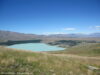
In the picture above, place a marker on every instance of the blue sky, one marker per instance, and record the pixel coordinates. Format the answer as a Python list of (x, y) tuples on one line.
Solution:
[(50, 16)]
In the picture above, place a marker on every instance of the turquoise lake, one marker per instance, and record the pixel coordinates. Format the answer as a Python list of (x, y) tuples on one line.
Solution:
[(36, 47)]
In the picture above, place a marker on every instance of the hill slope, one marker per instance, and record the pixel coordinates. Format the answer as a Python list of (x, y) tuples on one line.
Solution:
[(86, 49), (8, 35), (31, 63)]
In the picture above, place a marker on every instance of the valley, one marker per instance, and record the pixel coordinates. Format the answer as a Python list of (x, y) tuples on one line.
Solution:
[(75, 59)]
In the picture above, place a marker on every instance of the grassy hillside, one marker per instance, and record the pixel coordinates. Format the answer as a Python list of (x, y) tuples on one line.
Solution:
[(17, 62), (87, 49)]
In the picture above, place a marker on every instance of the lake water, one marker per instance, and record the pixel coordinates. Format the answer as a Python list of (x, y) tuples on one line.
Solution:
[(36, 47)]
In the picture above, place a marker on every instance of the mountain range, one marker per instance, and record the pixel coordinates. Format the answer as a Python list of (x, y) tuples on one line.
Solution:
[(9, 35)]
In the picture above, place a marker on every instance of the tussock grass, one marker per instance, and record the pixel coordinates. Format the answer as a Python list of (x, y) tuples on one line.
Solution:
[(84, 49), (17, 62)]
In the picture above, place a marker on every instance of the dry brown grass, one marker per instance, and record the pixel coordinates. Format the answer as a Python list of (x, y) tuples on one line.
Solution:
[(17, 61)]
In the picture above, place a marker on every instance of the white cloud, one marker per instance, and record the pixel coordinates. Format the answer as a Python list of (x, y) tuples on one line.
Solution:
[(69, 29), (48, 33), (97, 27)]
